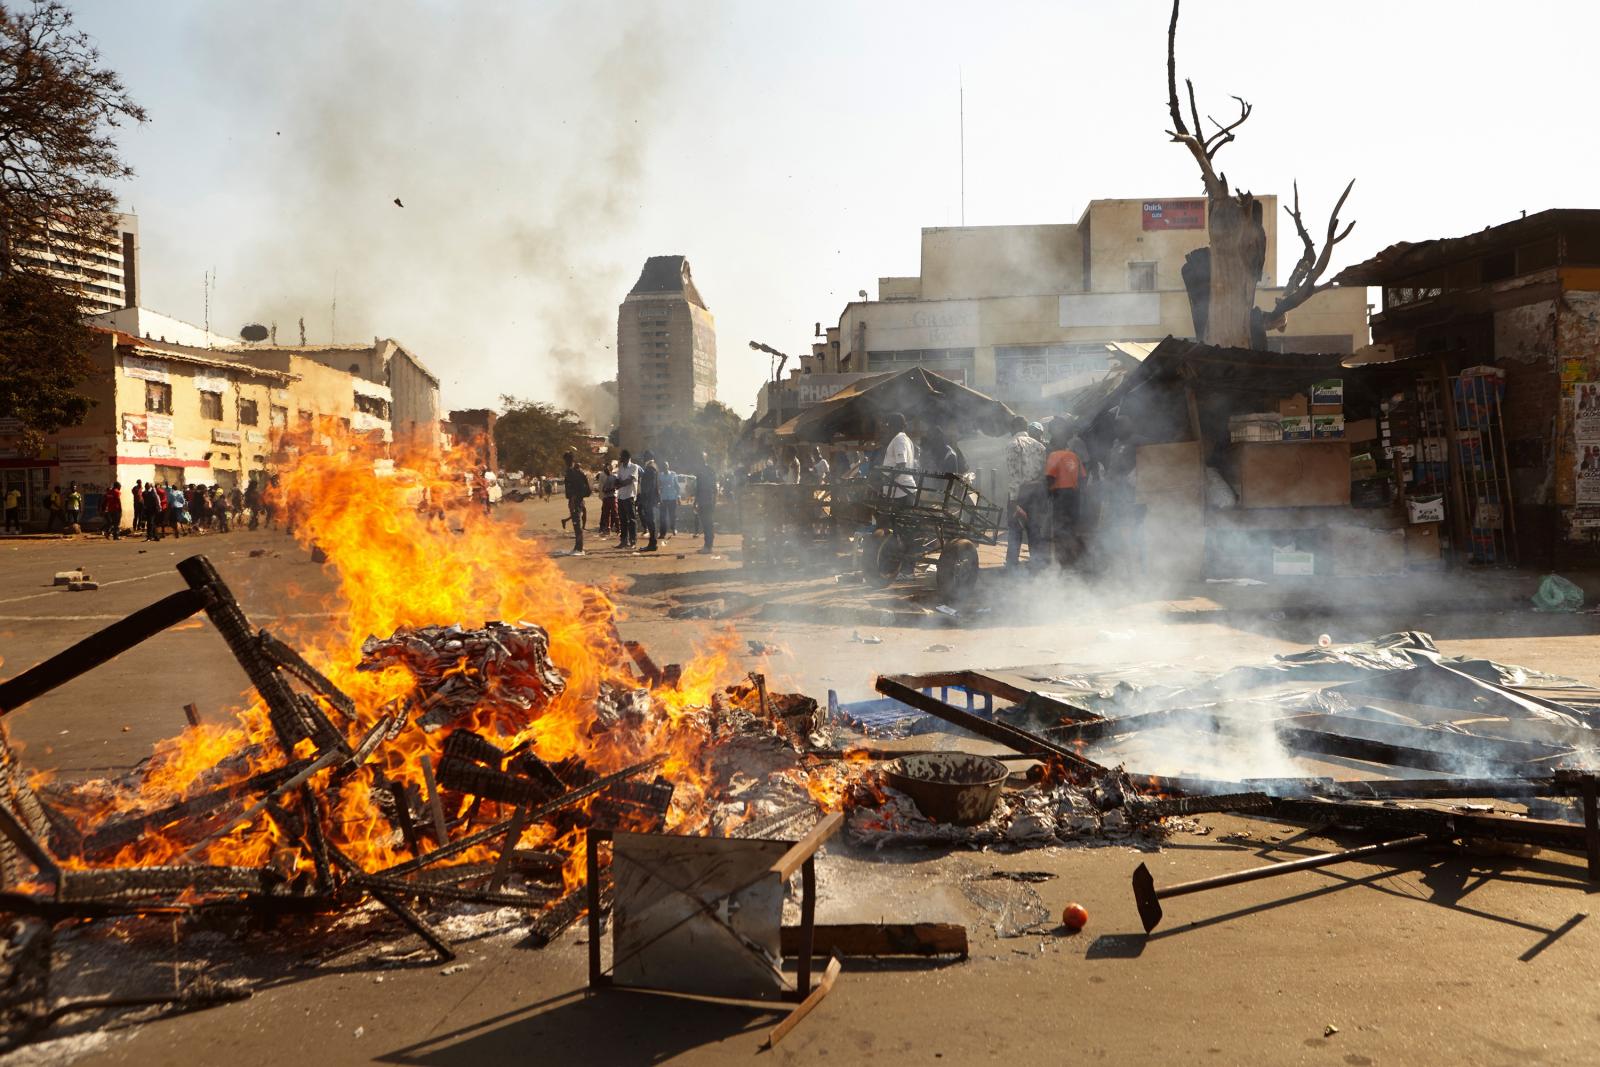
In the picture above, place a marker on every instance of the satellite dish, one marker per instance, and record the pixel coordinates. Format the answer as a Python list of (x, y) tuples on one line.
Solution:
[(253, 332)]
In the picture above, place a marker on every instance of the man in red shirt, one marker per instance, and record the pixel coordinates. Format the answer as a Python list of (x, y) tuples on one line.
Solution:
[(1063, 473)]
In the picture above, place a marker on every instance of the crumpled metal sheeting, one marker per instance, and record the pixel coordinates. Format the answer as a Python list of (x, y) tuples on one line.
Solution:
[(499, 664)]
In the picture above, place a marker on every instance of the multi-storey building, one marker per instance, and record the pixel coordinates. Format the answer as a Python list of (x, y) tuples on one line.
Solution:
[(1024, 313), (104, 269), (666, 352)]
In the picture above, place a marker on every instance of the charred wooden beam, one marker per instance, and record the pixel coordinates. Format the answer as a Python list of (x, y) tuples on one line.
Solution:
[(534, 815), (465, 776), (537, 897), (903, 689), (101, 647), (285, 712), (647, 666), (114, 836), (121, 882), (290, 660), (1140, 809), (878, 939)]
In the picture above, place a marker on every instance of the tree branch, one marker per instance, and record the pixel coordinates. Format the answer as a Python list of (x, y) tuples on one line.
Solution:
[(1303, 280), (1180, 132)]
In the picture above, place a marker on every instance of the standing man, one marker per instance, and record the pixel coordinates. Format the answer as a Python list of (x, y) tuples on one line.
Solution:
[(111, 511), (138, 505), (577, 492), (1025, 480), (819, 467), (152, 513), (899, 453), (74, 504), (608, 501), (650, 500), (1063, 471), (13, 510), (670, 492), (58, 512), (705, 503), (628, 473)]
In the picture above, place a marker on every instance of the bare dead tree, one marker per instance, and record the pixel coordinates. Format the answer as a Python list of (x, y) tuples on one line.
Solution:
[(1222, 281)]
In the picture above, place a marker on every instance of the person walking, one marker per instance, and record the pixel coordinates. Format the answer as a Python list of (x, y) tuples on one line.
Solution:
[(13, 510), (577, 491), (608, 500), (111, 511), (705, 503), (650, 500), (152, 513), (252, 501), (628, 473), (670, 491), (1025, 480)]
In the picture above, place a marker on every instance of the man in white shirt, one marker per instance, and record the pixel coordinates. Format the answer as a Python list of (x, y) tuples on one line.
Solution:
[(628, 473), (819, 469), (899, 452), (1025, 479)]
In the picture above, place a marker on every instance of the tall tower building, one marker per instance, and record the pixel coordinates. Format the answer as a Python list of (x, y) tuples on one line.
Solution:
[(104, 269), (666, 352)]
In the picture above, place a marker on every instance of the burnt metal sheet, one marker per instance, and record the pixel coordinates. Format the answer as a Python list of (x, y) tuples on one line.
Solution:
[(697, 915)]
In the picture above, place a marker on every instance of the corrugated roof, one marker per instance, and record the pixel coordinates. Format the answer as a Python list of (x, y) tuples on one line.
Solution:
[(1405, 258), (667, 274), (184, 354)]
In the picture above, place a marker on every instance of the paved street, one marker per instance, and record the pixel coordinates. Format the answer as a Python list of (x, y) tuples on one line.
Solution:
[(1340, 966)]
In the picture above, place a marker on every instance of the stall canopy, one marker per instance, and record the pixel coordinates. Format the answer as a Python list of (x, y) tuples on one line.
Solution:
[(1247, 374), (920, 395)]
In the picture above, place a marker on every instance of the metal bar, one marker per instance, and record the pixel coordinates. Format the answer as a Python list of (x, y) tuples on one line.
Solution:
[(803, 849), (441, 829), (100, 647), (255, 809), (1013, 738), (445, 891), (1147, 897), (29, 846), (292, 661), (288, 720), (397, 907), (125, 831), (402, 815)]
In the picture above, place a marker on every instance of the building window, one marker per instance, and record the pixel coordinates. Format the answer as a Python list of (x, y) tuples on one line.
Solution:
[(373, 405), (247, 413), (1141, 277), (305, 417), (158, 397), (211, 406), (278, 417)]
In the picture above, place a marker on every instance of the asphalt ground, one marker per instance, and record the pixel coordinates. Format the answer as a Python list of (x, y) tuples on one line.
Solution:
[(1427, 957)]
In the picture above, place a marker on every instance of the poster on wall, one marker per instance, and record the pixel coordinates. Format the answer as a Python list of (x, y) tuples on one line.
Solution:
[(1586, 417), (134, 428)]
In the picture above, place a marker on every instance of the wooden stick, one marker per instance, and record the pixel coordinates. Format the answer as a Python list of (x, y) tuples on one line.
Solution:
[(879, 939), (192, 713), (807, 846), (435, 805), (802, 1009)]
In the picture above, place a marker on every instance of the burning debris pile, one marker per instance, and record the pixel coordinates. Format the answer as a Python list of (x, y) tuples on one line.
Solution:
[(438, 796)]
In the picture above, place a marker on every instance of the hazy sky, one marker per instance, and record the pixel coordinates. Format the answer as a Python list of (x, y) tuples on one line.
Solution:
[(792, 152)]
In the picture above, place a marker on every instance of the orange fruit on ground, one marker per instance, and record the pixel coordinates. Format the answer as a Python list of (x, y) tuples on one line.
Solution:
[(1074, 916)]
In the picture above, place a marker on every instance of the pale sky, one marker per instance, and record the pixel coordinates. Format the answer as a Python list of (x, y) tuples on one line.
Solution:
[(791, 151)]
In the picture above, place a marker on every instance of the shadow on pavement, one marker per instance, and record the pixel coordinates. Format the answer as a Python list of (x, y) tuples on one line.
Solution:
[(620, 1027)]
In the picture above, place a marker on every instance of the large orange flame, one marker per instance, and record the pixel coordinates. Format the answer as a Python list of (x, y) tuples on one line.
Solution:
[(408, 547)]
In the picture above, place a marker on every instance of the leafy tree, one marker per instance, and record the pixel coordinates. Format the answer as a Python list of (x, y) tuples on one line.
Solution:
[(58, 106), (713, 430), (531, 435), (43, 365)]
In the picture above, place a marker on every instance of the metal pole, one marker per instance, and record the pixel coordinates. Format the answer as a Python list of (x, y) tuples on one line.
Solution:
[(1147, 897)]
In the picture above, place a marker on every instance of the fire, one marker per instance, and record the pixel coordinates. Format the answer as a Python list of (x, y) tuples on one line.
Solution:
[(408, 548)]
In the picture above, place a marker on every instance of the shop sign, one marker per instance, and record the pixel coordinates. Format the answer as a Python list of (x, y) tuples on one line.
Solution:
[(149, 370), (224, 437), (158, 426), (1174, 214), (211, 383)]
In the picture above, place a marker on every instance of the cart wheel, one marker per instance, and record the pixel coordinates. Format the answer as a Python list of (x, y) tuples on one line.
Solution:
[(882, 556), (957, 570)]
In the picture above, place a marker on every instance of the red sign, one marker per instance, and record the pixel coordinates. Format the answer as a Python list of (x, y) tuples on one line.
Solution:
[(1174, 214)]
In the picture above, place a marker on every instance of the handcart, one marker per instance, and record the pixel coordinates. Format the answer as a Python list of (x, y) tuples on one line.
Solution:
[(921, 516)]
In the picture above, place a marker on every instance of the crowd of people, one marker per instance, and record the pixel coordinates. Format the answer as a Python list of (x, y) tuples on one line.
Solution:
[(158, 509), (643, 494)]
